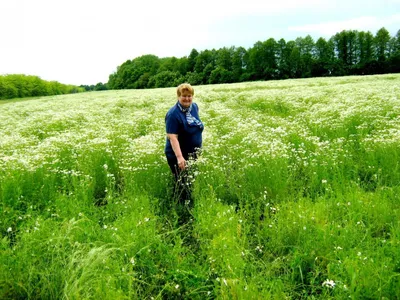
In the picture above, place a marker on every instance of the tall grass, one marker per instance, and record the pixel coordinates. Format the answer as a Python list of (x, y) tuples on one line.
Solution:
[(296, 194)]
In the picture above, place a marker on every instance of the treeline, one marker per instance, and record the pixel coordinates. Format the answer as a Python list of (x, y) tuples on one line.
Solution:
[(19, 86), (98, 87), (349, 52)]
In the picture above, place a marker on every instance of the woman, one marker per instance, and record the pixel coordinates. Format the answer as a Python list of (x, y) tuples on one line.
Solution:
[(184, 138)]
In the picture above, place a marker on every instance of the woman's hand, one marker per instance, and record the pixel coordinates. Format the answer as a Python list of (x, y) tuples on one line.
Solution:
[(181, 163)]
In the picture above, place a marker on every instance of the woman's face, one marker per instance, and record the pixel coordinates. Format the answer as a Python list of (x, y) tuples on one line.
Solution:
[(185, 99)]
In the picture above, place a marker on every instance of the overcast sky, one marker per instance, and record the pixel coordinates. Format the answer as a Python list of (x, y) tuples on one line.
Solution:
[(83, 41)]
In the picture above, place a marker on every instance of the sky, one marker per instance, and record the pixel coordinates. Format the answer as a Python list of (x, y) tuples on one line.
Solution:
[(84, 41)]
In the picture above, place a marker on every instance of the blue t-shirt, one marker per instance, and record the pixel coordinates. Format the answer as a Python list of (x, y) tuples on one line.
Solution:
[(189, 137)]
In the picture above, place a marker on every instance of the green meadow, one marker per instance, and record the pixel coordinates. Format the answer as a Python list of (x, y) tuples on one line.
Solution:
[(296, 194)]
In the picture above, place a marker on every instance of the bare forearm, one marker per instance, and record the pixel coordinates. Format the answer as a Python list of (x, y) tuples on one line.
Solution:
[(176, 147), (177, 150)]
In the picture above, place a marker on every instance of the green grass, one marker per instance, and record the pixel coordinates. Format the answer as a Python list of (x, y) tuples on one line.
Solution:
[(296, 194)]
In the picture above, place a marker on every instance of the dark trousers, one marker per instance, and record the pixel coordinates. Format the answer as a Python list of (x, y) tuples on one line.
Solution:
[(182, 184), (182, 196)]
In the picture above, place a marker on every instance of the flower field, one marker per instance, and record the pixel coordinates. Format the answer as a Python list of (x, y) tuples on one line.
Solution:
[(297, 194)]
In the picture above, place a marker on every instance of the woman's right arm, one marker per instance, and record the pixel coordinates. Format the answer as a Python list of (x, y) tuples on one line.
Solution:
[(177, 150)]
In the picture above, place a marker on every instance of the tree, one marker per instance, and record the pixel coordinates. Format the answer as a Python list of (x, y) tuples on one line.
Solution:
[(143, 81), (256, 60), (239, 64), (192, 59), (347, 52), (381, 42), (392, 46), (220, 75), (100, 87), (20, 85), (306, 48), (295, 67), (165, 79), (283, 51), (7, 89), (365, 47), (324, 58), (183, 65), (393, 62), (262, 60), (37, 86), (136, 73), (270, 70), (398, 41), (345, 46), (168, 64), (205, 63), (121, 78), (224, 58), (351, 47), (204, 58), (193, 78)]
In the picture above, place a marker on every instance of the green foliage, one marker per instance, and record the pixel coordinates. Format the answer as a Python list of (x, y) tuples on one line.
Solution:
[(221, 75), (348, 52), (98, 87), (22, 86), (166, 79)]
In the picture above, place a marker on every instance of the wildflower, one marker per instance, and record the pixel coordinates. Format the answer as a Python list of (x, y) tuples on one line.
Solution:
[(329, 283), (132, 261), (177, 286), (323, 181), (9, 229)]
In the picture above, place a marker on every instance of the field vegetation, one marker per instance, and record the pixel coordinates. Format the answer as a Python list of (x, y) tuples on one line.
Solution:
[(296, 194)]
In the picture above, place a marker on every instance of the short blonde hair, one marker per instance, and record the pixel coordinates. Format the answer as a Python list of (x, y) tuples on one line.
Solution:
[(184, 87)]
